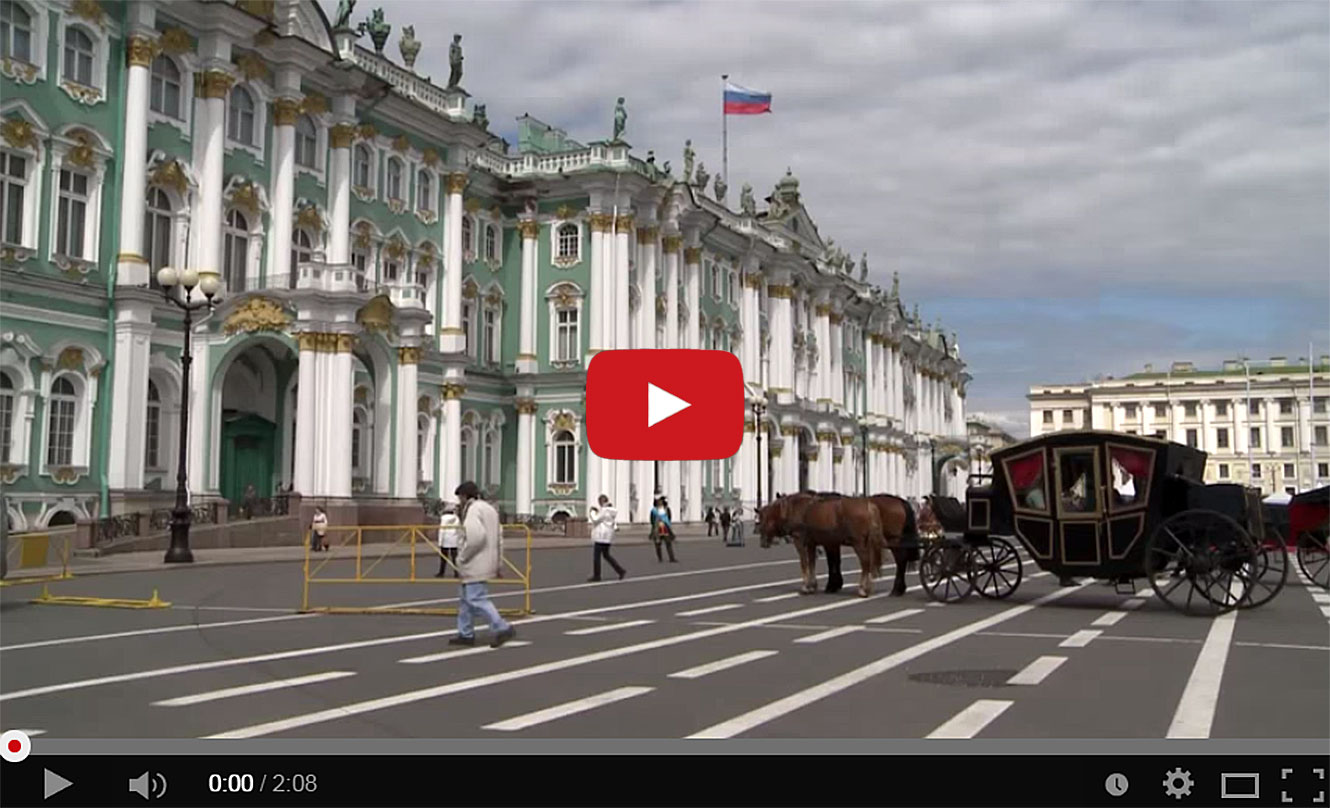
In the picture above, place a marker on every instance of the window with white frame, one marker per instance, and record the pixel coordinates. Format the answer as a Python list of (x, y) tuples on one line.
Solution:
[(363, 171), (16, 33), (72, 213), (491, 243), (166, 89), (424, 191), (13, 196), (80, 56), (715, 281), (468, 446), (359, 447), (394, 179), (391, 269), (360, 260), (491, 458), (422, 446), (565, 458), (158, 221), (468, 236), (1223, 471), (307, 143), (302, 251), (153, 428), (733, 293), (1322, 470), (491, 336), (240, 117), (468, 328), (8, 399), (63, 403), (235, 250), (1289, 471), (568, 242)]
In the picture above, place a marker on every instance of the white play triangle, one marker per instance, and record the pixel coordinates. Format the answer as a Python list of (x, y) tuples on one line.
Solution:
[(661, 405)]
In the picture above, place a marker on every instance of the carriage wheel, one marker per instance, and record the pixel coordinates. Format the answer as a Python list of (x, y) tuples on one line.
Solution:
[(944, 571), (1272, 563), (995, 569), (1314, 559), (1201, 562)]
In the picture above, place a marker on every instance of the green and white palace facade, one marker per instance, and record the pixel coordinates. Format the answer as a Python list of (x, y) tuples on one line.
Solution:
[(408, 301)]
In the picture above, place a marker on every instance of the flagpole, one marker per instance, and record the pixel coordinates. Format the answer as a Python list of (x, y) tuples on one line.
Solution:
[(724, 133)]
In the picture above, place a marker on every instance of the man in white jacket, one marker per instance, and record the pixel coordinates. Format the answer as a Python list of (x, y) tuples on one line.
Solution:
[(478, 559), (602, 535)]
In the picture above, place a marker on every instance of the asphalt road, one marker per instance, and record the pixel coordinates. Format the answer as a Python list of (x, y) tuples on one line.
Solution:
[(718, 645)]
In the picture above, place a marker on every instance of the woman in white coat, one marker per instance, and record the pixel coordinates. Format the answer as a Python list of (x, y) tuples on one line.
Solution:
[(602, 535), (450, 535)]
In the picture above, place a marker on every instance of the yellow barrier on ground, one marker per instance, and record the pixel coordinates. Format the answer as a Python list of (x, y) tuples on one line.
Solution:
[(347, 544), (32, 550), (47, 599)]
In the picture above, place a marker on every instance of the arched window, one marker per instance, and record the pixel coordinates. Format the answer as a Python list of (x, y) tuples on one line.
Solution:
[(157, 232), (235, 257), (569, 243), (7, 394), (360, 260), (71, 227), (62, 518), (394, 178), (424, 191), (302, 248), (422, 443), (240, 117), (565, 458), (15, 33), (491, 243), (468, 235), (357, 441), (364, 169), (153, 427), (491, 460), (79, 53), (307, 142), (60, 429), (13, 190), (468, 455), (166, 88)]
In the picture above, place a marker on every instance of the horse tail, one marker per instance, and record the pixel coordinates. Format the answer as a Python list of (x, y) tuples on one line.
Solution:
[(910, 533)]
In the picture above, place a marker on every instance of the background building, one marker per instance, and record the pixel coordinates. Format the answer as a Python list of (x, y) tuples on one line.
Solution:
[(984, 439), (1262, 423), (409, 301)]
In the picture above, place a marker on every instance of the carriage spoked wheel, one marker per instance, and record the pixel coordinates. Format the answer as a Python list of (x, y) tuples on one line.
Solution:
[(1271, 573), (1313, 557), (1201, 562), (995, 568), (944, 571)]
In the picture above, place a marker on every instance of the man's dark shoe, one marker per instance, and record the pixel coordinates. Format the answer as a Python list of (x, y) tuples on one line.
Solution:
[(466, 641), (593, 580), (622, 573), (503, 637)]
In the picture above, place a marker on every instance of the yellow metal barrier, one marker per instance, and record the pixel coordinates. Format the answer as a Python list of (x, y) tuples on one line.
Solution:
[(47, 599), (347, 544), (32, 550)]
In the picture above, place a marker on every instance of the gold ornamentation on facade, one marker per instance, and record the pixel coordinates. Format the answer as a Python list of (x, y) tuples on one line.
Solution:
[(18, 133), (252, 66), (309, 341), (141, 50), (377, 315), (780, 291), (66, 475), (565, 212), (565, 420), (789, 431), (401, 144), (692, 255), (213, 83), (367, 131), (396, 248), (671, 244), (430, 157), (647, 235), (452, 390), (285, 111), (175, 41), (264, 38), (456, 183), (846, 440), (9, 474), (529, 228), (314, 104), (625, 223), (836, 318), (246, 195), (363, 234), (89, 10), (19, 71), (81, 93), (169, 174), (70, 359), (754, 280), (408, 355), (776, 451), (525, 406), (82, 154), (494, 299), (341, 135), (263, 9), (602, 222), (308, 217), (822, 309), (469, 289), (257, 314)]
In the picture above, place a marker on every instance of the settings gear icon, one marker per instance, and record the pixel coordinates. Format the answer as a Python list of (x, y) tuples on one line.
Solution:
[(1178, 783)]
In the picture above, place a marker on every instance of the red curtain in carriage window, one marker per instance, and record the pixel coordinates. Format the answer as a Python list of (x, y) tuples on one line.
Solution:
[(1135, 462), (1025, 472)]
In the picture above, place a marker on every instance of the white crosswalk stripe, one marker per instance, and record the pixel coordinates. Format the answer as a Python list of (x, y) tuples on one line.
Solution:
[(972, 720), (246, 690), (611, 627), (721, 665), (570, 708)]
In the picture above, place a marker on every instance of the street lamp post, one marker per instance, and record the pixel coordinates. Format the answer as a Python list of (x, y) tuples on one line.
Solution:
[(758, 411), (208, 283)]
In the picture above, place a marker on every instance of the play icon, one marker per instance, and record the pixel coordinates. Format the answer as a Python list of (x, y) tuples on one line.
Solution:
[(661, 405), (53, 784)]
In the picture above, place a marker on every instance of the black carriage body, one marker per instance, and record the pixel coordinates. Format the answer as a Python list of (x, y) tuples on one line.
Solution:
[(1085, 503)]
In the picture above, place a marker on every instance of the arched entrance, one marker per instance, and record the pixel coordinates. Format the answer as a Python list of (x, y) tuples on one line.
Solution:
[(256, 385)]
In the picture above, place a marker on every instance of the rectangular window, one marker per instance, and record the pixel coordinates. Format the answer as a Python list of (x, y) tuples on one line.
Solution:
[(1318, 405), (60, 442), (1285, 406), (1320, 436), (15, 33), (1191, 438), (13, 182), (1323, 470), (1189, 409), (1161, 410), (1254, 408), (1289, 472), (152, 444), (1130, 411), (567, 344), (491, 338), (1221, 409), (1256, 471), (1286, 437), (6, 420), (1048, 416), (1161, 434), (73, 213), (1223, 471), (1067, 417), (1256, 437), (468, 337), (1221, 438)]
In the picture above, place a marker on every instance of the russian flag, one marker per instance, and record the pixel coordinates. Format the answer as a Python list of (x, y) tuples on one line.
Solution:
[(743, 101)]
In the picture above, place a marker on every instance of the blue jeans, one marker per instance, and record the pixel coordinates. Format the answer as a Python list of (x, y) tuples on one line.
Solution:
[(476, 600)]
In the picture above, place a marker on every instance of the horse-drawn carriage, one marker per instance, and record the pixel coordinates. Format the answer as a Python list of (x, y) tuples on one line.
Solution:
[(1113, 507), (1304, 524)]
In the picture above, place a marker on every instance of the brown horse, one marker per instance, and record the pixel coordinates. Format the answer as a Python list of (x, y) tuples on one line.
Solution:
[(901, 532), (814, 521)]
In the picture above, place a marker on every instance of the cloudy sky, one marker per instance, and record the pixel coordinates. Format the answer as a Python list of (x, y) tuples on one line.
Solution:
[(1074, 188)]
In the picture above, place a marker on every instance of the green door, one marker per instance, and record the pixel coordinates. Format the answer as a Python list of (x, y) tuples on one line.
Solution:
[(248, 445)]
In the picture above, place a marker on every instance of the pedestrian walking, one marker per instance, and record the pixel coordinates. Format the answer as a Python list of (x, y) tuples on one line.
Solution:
[(251, 499), (318, 530), (711, 521), (478, 558), (602, 535), (450, 538), (726, 519), (662, 531)]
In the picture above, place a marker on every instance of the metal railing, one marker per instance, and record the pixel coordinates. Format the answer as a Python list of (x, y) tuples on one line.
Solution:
[(352, 565), (33, 551), (279, 505)]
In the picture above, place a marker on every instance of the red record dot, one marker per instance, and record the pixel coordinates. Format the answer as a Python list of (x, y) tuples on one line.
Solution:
[(14, 746)]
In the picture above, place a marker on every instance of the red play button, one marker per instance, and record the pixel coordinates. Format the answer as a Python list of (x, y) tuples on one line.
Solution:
[(664, 405)]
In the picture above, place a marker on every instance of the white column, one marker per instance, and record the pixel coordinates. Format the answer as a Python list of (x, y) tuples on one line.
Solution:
[(204, 420), (671, 244), (129, 397), (452, 435), (822, 367), (306, 396), (647, 245), (826, 462), (1147, 417), (837, 357), (209, 145), (871, 374), (526, 452), (1207, 441), (781, 326), (408, 464), (286, 109), (341, 398), (133, 267), (453, 338), (598, 303), (624, 240), (692, 281), (750, 320), (339, 183), (526, 351)]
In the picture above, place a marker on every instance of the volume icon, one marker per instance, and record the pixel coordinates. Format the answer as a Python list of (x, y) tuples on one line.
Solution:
[(148, 784)]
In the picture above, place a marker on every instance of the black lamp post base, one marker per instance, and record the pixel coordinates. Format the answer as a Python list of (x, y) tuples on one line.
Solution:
[(179, 552)]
